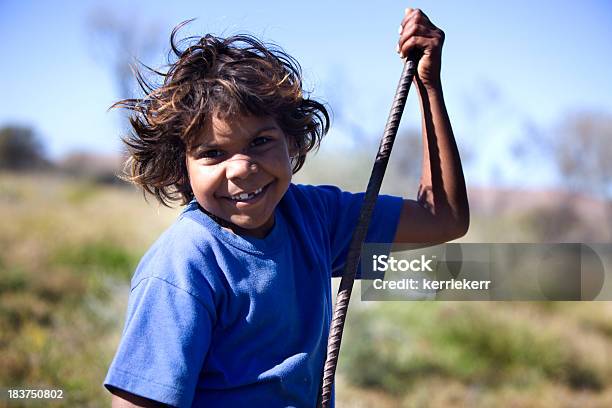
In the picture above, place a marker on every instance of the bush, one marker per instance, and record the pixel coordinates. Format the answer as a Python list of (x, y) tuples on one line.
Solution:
[(100, 256), (391, 347), (20, 149)]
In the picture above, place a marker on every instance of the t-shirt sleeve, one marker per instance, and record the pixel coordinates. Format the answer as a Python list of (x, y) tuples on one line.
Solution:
[(164, 343), (342, 215)]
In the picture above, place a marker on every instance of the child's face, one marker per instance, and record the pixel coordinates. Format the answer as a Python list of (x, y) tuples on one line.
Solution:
[(239, 169)]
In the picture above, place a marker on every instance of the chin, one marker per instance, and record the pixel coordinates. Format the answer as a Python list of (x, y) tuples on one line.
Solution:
[(249, 224)]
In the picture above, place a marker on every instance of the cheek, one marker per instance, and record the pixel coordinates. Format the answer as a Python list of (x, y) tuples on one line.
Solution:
[(202, 181), (280, 158)]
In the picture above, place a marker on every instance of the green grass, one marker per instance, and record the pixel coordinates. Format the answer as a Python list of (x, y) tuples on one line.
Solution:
[(97, 257), (394, 346), (68, 251)]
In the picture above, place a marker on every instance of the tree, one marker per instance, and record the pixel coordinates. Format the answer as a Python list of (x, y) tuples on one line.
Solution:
[(21, 149), (117, 41), (582, 153), (405, 165)]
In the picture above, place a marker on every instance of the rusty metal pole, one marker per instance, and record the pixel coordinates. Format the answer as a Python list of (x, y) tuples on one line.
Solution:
[(353, 256)]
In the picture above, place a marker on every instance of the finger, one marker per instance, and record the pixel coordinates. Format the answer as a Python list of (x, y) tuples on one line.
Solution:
[(415, 15), (423, 31), (423, 16), (407, 15), (417, 43), (411, 31), (415, 29), (413, 24)]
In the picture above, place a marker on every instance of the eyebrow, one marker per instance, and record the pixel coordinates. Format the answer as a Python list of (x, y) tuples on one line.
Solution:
[(205, 145)]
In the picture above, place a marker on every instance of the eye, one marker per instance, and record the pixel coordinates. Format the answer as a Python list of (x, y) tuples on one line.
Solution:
[(211, 154), (260, 141)]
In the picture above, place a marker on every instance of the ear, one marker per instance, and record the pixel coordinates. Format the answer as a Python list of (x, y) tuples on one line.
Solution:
[(294, 150), (187, 168)]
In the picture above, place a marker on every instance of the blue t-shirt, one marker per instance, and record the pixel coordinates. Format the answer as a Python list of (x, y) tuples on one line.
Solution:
[(220, 320)]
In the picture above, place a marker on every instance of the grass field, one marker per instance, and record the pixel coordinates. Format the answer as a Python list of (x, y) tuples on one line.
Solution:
[(68, 248)]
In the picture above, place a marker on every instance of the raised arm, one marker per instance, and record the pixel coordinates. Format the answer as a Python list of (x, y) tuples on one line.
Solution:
[(441, 212)]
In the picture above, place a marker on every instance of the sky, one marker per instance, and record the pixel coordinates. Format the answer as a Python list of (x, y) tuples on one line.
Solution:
[(508, 67)]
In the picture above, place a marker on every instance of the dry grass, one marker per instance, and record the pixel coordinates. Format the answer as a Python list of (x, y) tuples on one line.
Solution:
[(68, 248)]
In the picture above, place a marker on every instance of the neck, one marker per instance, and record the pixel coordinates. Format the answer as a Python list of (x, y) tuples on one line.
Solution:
[(233, 228)]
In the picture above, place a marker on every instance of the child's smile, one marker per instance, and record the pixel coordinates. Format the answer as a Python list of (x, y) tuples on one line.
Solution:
[(239, 170)]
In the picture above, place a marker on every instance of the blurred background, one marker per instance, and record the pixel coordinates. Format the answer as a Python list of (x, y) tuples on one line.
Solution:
[(527, 87)]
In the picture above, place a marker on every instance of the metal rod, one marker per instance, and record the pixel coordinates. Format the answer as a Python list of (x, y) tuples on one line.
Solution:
[(352, 259)]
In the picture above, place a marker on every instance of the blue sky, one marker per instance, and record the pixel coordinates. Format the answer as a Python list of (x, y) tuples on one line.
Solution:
[(507, 66)]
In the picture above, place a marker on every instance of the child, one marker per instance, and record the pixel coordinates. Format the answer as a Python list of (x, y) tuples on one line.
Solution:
[(232, 305)]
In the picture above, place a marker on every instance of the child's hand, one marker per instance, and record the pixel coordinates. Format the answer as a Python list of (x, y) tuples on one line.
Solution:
[(418, 35)]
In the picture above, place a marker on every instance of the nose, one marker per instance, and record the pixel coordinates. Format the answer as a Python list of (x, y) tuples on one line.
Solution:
[(240, 166)]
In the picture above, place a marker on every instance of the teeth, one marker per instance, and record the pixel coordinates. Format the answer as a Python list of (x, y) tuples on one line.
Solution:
[(246, 196)]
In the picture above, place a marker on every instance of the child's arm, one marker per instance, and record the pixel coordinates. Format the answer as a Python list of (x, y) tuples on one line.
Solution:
[(124, 399), (441, 211)]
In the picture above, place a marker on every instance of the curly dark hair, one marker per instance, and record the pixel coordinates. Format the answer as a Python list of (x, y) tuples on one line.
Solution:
[(237, 75)]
